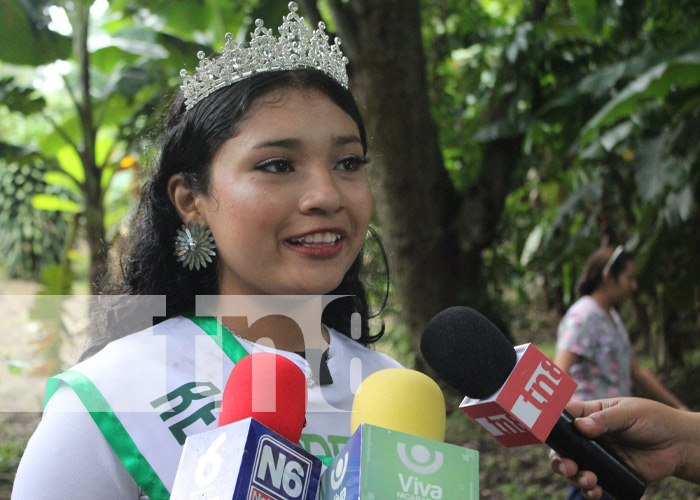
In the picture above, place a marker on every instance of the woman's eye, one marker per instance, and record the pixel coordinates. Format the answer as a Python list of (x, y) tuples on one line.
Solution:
[(275, 166), (352, 163)]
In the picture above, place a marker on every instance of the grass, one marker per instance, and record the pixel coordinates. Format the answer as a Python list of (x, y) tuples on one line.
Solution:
[(15, 429)]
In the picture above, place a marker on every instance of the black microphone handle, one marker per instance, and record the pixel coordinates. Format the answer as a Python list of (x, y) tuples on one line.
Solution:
[(616, 478)]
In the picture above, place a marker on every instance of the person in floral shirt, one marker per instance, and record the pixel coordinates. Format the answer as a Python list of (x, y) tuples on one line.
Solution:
[(593, 345), (602, 354)]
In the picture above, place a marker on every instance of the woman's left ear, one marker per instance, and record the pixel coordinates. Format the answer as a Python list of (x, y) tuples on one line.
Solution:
[(184, 200)]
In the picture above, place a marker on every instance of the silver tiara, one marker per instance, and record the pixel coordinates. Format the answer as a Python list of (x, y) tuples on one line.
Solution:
[(296, 47)]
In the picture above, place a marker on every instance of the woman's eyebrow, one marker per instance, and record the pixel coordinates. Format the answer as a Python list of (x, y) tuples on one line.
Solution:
[(346, 139), (291, 143), (279, 143)]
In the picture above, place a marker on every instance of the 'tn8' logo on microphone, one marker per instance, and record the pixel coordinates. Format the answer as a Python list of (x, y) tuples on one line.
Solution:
[(537, 393), (528, 405)]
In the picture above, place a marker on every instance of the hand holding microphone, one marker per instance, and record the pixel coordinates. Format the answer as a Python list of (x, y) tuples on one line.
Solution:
[(659, 440), (517, 395)]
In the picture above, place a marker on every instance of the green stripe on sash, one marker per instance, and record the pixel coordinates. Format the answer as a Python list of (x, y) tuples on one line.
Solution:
[(233, 349), (113, 431), (221, 335)]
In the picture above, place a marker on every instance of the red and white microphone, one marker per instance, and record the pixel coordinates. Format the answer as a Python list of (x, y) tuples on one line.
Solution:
[(524, 410), (518, 395)]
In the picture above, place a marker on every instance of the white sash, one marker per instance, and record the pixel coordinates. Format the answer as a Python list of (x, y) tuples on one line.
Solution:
[(148, 391)]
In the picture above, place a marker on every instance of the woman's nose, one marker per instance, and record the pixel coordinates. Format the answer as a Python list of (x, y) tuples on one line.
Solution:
[(320, 193)]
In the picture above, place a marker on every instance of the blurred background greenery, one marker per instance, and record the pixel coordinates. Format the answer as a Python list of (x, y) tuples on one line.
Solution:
[(509, 139)]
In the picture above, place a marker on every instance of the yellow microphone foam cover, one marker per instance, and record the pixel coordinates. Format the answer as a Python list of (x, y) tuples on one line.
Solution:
[(402, 400)]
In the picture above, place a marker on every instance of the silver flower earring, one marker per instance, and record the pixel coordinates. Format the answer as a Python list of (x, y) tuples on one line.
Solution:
[(194, 246)]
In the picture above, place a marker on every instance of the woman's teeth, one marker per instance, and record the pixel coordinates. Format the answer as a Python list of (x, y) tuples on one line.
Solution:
[(317, 238)]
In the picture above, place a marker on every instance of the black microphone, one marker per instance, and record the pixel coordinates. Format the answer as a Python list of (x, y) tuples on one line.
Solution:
[(475, 358)]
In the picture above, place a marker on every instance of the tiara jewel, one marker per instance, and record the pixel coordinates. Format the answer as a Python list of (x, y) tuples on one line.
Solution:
[(296, 47)]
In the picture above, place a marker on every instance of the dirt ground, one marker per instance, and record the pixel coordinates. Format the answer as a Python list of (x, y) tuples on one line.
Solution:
[(29, 353)]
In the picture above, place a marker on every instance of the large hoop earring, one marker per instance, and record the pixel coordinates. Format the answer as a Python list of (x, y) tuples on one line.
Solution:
[(194, 246), (385, 260)]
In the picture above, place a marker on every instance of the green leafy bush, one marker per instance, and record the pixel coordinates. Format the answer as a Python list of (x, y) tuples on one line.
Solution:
[(31, 239)]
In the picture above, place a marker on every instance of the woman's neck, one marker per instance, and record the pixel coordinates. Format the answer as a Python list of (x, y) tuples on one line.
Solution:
[(602, 300), (279, 332)]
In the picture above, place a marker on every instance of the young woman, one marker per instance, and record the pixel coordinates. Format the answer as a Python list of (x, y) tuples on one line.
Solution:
[(260, 191), (593, 345)]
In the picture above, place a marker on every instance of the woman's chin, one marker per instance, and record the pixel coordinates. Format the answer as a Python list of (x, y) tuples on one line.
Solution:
[(322, 287)]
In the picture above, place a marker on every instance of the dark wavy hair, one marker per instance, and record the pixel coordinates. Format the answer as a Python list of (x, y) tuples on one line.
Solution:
[(592, 275), (189, 141)]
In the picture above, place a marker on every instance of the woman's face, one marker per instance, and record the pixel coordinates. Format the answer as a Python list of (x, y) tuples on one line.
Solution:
[(625, 284), (289, 203)]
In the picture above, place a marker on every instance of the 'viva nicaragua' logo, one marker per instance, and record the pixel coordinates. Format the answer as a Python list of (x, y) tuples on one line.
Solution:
[(338, 473), (419, 461)]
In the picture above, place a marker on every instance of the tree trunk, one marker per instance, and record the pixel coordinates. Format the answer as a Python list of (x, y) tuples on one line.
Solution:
[(414, 198), (96, 239), (92, 188), (434, 235)]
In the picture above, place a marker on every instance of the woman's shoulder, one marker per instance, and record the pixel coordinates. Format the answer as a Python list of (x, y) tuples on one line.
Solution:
[(153, 337), (583, 309), (66, 448), (150, 347), (584, 304)]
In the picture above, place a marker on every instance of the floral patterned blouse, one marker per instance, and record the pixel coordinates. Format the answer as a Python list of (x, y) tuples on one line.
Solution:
[(602, 369)]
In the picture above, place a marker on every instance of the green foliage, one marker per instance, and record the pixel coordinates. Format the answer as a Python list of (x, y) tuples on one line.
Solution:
[(656, 81), (605, 95), (32, 239), (611, 156), (19, 99), (118, 66), (48, 311), (25, 37)]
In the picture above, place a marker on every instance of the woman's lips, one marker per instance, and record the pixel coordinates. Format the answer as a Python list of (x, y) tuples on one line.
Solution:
[(322, 243)]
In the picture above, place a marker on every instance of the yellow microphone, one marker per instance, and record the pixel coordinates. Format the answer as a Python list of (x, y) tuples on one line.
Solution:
[(402, 400), (396, 448)]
